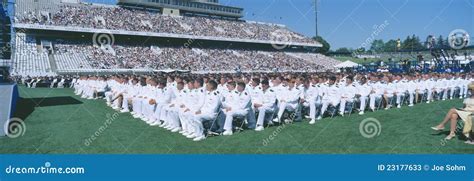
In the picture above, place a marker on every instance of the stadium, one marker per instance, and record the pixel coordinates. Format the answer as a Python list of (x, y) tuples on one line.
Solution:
[(84, 70)]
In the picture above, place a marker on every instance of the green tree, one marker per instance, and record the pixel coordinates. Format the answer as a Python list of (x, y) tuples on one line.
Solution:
[(440, 43), (326, 46), (343, 50), (406, 44), (416, 42), (377, 45), (412, 43), (390, 46)]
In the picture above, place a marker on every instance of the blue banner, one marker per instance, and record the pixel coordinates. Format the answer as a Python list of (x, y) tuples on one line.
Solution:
[(237, 167), (8, 99)]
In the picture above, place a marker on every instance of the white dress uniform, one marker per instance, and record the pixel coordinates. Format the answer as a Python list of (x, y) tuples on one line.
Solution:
[(121, 89), (389, 89), (52, 83), (279, 91), (400, 90), (163, 97), (61, 83), (364, 92), (254, 93), (143, 101), (73, 83), (347, 95), (331, 95), (138, 100), (429, 85), (240, 104), (412, 88), (222, 88), (376, 93), (173, 109), (444, 87), (287, 101), (267, 99), (208, 111), (148, 109), (452, 84), (310, 95), (112, 84), (194, 101), (132, 92), (464, 87)]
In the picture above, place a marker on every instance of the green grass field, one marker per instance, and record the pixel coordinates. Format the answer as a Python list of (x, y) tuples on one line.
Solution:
[(57, 121)]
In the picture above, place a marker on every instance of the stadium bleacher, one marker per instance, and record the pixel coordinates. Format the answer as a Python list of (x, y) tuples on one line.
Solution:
[(139, 56), (58, 53), (118, 18), (29, 59)]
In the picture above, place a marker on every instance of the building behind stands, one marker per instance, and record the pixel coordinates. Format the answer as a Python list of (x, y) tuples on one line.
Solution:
[(210, 8)]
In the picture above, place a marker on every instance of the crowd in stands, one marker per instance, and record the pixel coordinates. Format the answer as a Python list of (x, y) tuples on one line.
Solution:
[(193, 59), (119, 18)]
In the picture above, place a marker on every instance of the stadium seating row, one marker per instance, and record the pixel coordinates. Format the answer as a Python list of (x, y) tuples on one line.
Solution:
[(119, 18), (29, 59), (193, 59), (33, 59)]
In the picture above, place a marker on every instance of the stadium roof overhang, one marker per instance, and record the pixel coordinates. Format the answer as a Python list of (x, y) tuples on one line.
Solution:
[(161, 35), (190, 6)]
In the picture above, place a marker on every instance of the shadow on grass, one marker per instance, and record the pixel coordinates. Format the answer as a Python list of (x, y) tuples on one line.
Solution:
[(25, 107)]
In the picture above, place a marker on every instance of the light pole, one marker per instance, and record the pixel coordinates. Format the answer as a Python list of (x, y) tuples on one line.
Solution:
[(316, 16)]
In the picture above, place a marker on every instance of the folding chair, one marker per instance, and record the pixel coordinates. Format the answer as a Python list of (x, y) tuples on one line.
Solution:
[(208, 131), (459, 126), (457, 92), (332, 110), (293, 115), (424, 97), (269, 120), (297, 116), (349, 107), (242, 120), (403, 99), (357, 102), (378, 104)]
